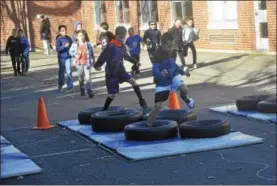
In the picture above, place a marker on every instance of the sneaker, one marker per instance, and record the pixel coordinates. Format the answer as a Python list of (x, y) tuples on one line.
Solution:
[(69, 90), (60, 89), (90, 94), (191, 103), (194, 66), (142, 103)]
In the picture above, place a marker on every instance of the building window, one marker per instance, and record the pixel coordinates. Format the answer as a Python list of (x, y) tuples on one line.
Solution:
[(223, 15), (148, 12), (100, 12), (122, 11), (181, 9)]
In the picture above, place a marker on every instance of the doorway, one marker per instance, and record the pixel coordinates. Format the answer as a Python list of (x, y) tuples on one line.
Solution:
[(261, 25)]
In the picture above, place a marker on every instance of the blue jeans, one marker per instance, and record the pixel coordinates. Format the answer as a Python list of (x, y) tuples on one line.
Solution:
[(65, 67), (25, 61)]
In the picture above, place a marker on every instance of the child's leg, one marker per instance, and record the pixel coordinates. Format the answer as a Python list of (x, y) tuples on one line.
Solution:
[(160, 97), (17, 59), (23, 64), (184, 95), (14, 65), (108, 101), (80, 69), (194, 55), (61, 74), (136, 87), (112, 85), (182, 58), (88, 82), (68, 74)]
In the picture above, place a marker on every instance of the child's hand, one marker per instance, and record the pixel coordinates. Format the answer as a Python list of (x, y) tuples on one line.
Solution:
[(186, 70), (164, 72)]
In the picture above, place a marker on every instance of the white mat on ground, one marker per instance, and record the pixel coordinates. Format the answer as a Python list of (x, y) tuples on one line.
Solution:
[(251, 114), (15, 163), (136, 150)]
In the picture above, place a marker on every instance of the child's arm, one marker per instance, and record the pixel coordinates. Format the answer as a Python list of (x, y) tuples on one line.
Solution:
[(27, 45), (72, 50), (104, 57), (59, 46), (156, 71), (127, 57), (8, 45)]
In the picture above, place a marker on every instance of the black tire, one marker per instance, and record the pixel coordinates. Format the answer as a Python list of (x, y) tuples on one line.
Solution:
[(267, 106), (250, 102), (204, 128), (114, 121), (84, 116), (179, 116), (139, 131)]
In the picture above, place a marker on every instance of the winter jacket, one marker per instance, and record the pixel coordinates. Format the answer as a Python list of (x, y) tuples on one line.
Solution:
[(90, 55), (63, 52), (152, 37), (163, 60), (114, 55), (44, 30), (24, 43), (13, 46), (177, 35)]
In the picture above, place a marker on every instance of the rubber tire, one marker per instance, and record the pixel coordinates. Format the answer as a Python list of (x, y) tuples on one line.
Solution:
[(250, 102), (204, 128), (267, 106), (84, 116), (139, 131), (114, 121), (179, 115)]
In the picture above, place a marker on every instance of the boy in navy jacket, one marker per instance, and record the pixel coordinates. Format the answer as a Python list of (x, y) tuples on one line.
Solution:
[(114, 55), (63, 44), (133, 43), (168, 76), (25, 47)]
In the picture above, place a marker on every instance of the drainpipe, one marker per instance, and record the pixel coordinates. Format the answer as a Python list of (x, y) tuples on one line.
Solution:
[(28, 25)]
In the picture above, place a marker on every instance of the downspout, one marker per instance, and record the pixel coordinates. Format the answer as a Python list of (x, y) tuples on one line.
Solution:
[(28, 25)]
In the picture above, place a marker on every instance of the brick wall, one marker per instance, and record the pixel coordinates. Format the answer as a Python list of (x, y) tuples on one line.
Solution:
[(271, 16), (245, 34)]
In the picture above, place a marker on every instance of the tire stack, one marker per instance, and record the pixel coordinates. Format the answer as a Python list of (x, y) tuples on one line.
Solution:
[(260, 103)]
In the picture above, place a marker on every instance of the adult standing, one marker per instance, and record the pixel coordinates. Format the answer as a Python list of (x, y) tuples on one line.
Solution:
[(152, 38), (190, 35), (45, 34), (176, 31)]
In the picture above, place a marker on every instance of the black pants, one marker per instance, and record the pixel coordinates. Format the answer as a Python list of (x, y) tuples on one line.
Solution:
[(151, 54), (181, 56), (15, 63), (193, 49), (135, 68)]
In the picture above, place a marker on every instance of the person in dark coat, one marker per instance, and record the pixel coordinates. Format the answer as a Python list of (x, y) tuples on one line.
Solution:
[(152, 38), (13, 48), (176, 31), (45, 34)]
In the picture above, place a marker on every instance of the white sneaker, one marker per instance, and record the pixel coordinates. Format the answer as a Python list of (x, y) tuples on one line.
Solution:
[(191, 103), (195, 66)]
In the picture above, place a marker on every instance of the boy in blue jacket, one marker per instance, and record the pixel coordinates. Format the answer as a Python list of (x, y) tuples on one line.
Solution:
[(63, 44), (114, 55), (167, 76), (133, 43), (25, 47)]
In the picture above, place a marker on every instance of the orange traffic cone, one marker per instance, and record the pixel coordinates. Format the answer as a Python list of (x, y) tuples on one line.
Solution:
[(173, 101), (42, 122)]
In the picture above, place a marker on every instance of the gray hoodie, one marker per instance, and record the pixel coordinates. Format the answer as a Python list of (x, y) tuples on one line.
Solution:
[(74, 37)]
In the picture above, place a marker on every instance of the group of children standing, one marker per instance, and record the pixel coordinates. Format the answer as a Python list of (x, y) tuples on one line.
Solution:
[(18, 47)]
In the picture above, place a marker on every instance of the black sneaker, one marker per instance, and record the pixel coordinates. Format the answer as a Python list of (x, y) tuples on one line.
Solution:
[(143, 104), (90, 94)]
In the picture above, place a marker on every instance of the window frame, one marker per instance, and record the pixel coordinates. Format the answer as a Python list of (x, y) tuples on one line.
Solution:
[(224, 23), (96, 26), (145, 26), (116, 5)]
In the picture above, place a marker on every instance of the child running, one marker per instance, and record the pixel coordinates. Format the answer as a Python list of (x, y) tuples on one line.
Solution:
[(114, 55), (133, 43), (82, 53), (168, 76)]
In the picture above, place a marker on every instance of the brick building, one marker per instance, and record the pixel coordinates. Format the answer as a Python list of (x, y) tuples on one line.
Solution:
[(224, 25)]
